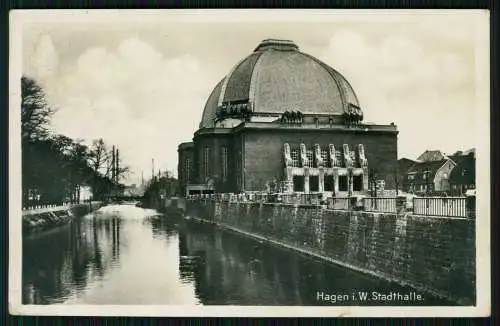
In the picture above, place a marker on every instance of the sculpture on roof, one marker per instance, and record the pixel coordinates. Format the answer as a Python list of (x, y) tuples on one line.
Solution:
[(317, 156), (353, 115), (291, 117), (303, 155), (363, 162), (333, 158), (347, 156), (288, 157)]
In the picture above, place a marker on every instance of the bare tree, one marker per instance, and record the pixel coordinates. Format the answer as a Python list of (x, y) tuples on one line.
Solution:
[(100, 157), (35, 110)]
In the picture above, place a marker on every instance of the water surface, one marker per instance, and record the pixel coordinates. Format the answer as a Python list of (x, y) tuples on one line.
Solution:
[(128, 255)]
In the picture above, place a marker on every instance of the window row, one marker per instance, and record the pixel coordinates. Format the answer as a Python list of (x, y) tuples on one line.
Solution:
[(329, 183)]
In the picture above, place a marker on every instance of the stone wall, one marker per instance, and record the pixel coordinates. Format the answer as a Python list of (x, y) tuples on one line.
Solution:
[(48, 217), (431, 254)]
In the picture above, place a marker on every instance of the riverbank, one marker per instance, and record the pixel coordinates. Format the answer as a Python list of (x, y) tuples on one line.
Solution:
[(43, 218)]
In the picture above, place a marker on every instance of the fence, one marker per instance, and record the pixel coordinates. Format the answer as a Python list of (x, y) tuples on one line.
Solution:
[(380, 204), (340, 203), (443, 206), (37, 204), (430, 206), (300, 199)]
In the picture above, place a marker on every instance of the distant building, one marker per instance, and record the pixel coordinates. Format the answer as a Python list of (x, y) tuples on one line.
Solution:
[(283, 120), (434, 155), (430, 174), (404, 165), (463, 176)]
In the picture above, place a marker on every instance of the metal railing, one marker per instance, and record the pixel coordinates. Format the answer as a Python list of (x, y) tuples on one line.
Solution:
[(428, 206), (380, 204), (443, 206), (38, 204), (339, 203)]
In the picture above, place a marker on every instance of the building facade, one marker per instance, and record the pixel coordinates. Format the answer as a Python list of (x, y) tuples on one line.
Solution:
[(282, 120), (463, 176), (429, 177)]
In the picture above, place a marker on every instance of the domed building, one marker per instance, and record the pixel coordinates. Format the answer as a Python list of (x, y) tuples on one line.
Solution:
[(283, 119)]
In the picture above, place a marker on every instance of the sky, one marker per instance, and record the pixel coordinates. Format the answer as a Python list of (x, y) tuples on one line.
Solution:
[(140, 82)]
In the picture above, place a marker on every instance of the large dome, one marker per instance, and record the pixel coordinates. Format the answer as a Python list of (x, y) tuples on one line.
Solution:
[(277, 77)]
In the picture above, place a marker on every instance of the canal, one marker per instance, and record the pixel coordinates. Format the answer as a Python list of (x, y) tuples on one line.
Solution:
[(124, 255)]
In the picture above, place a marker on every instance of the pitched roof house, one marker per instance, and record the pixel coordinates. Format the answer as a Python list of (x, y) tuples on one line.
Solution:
[(434, 155), (429, 174)]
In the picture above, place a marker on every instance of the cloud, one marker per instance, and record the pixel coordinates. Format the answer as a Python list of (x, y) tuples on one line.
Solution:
[(133, 96), (45, 58), (424, 90)]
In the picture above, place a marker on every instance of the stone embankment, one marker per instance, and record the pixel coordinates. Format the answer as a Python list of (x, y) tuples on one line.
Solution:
[(43, 218), (432, 254)]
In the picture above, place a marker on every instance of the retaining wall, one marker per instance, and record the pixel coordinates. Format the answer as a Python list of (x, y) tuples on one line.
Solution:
[(46, 217), (432, 254)]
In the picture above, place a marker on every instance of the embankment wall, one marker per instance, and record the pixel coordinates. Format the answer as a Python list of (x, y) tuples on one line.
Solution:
[(432, 254), (46, 217)]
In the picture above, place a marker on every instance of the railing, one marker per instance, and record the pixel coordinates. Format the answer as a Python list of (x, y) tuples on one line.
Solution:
[(37, 204), (339, 203), (443, 206), (429, 206), (300, 199), (379, 204)]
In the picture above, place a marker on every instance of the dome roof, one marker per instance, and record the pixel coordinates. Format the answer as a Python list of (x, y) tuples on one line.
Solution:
[(277, 77)]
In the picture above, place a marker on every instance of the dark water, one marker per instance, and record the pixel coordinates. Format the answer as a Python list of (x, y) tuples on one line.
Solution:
[(124, 255)]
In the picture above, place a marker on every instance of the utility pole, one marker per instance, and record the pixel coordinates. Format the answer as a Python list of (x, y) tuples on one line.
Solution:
[(117, 173), (152, 170), (113, 164)]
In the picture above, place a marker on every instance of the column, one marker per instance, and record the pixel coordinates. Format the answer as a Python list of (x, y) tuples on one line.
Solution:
[(306, 180), (366, 180), (321, 178), (336, 180), (349, 182)]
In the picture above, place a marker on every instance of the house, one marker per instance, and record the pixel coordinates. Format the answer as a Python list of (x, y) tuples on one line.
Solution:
[(463, 175), (430, 174), (434, 155), (404, 165)]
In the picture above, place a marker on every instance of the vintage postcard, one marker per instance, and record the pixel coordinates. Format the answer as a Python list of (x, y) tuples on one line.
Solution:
[(249, 163)]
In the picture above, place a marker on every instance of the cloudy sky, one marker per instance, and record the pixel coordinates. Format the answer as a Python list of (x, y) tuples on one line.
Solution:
[(141, 81)]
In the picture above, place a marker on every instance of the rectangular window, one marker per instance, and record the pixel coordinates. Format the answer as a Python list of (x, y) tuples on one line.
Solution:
[(338, 156), (298, 183), (188, 165), (224, 161), (314, 183), (310, 158), (295, 154), (329, 183), (352, 154), (343, 183), (357, 182), (206, 163), (324, 156)]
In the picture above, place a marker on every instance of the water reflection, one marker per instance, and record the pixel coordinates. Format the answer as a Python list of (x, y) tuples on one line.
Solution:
[(126, 255)]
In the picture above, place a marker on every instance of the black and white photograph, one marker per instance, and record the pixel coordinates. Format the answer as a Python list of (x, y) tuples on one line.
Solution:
[(249, 163)]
